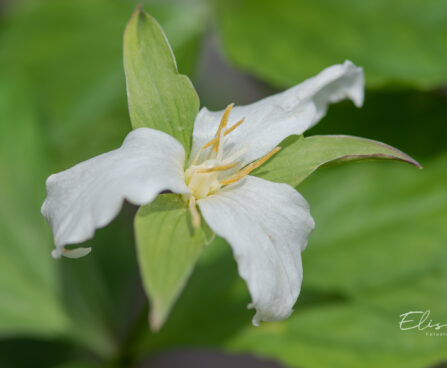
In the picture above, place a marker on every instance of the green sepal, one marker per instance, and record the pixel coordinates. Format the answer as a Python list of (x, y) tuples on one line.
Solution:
[(300, 156), (159, 97), (168, 247)]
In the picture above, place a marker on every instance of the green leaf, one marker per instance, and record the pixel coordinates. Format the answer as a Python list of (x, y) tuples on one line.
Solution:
[(384, 223), (32, 287), (29, 290), (343, 335), (63, 100), (159, 97), (378, 251), (287, 41), (70, 53), (301, 156), (168, 247)]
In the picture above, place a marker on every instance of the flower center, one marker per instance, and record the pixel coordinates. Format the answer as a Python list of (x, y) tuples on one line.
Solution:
[(208, 177)]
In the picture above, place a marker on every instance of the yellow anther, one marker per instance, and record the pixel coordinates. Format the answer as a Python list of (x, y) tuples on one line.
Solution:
[(249, 168), (222, 125), (216, 168), (194, 212), (228, 131)]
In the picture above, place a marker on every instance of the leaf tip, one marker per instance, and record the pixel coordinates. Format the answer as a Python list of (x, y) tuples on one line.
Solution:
[(392, 154), (408, 159), (413, 162), (134, 18), (138, 10), (156, 319), (417, 164), (402, 156)]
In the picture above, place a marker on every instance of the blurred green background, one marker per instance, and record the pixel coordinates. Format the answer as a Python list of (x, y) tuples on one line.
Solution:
[(380, 245)]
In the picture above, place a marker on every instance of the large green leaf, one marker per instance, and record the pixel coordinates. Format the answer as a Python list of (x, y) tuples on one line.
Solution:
[(159, 97), (383, 223), (168, 247), (29, 292), (378, 251), (342, 335), (34, 300), (71, 54), (286, 41), (301, 156)]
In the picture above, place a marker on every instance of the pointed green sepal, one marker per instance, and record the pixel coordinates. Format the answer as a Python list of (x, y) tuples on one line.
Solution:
[(159, 97), (300, 156), (168, 247)]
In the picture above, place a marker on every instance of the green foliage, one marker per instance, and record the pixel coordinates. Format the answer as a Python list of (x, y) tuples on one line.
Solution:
[(29, 290), (34, 299), (380, 255), (159, 97), (379, 246), (168, 247), (287, 41), (363, 267), (63, 100), (300, 156), (73, 65), (71, 54)]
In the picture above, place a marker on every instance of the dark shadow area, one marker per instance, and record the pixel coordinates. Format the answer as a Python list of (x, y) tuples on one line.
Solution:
[(206, 358), (421, 116), (104, 290), (21, 352), (440, 365), (214, 296), (218, 83)]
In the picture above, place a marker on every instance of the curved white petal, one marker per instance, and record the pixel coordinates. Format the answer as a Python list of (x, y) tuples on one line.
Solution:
[(267, 225), (89, 195), (271, 120)]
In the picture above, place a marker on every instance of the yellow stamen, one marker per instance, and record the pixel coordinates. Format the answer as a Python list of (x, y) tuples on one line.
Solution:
[(211, 142), (222, 125), (228, 131), (249, 168), (194, 212), (217, 168)]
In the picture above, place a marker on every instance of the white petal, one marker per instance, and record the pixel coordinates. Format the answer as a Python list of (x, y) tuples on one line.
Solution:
[(71, 253), (89, 195), (267, 225), (271, 120)]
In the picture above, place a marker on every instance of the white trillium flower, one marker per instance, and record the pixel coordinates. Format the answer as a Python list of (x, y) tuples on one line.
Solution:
[(266, 224)]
